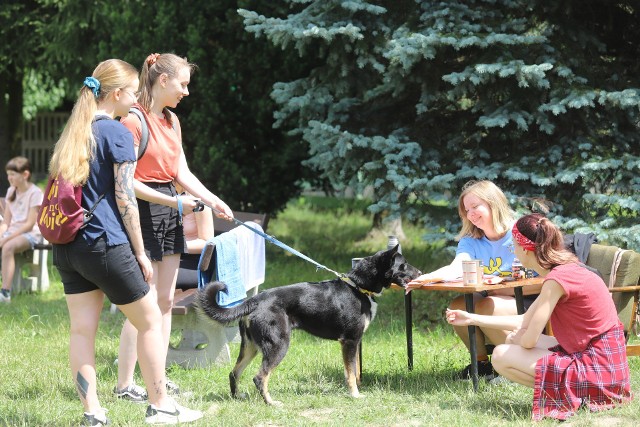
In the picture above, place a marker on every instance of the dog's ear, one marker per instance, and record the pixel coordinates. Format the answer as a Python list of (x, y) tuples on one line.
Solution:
[(398, 259)]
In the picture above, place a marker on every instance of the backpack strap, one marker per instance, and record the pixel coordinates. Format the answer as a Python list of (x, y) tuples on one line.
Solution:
[(88, 214), (144, 137)]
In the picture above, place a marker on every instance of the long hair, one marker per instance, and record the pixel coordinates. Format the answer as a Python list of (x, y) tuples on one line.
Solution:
[(18, 164), (76, 147), (502, 215), (153, 67), (550, 250)]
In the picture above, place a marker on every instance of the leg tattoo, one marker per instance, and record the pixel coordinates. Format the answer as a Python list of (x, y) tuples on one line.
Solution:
[(82, 385)]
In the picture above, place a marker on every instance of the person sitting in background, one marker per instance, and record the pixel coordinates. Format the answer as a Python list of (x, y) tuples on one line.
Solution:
[(485, 235), (198, 229), (18, 230), (585, 364)]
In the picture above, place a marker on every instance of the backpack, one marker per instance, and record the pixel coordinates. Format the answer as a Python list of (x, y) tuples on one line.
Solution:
[(61, 214), (144, 137)]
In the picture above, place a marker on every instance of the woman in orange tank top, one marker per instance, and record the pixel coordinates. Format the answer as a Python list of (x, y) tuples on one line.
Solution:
[(164, 82)]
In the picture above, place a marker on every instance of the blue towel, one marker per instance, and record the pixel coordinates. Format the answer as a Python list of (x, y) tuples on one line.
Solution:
[(227, 270)]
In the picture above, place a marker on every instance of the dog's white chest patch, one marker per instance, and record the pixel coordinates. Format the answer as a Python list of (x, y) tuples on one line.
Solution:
[(374, 309)]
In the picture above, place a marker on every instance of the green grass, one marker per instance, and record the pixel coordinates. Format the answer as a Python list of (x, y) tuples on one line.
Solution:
[(36, 387)]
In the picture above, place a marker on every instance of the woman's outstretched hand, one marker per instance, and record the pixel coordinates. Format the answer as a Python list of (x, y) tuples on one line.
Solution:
[(458, 317)]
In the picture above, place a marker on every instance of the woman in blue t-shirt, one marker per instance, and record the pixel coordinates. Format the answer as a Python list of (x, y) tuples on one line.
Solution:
[(486, 219), (107, 257)]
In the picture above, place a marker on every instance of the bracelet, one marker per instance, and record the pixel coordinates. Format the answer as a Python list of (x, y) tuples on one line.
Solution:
[(484, 293), (179, 209)]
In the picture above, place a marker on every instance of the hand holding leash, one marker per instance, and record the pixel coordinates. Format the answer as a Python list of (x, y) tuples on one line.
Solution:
[(220, 208), (188, 202)]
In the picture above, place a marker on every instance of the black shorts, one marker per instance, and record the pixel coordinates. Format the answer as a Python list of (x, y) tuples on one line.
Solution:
[(112, 269), (161, 229), (188, 272)]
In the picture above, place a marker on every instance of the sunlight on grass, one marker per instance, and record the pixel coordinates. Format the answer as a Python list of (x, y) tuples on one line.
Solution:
[(36, 387)]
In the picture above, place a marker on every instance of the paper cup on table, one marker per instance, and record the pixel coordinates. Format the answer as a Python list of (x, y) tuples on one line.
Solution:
[(472, 272)]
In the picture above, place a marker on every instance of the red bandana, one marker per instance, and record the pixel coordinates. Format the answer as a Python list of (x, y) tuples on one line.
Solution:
[(523, 241)]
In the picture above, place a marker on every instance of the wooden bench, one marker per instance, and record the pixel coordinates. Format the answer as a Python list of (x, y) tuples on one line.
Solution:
[(35, 262), (203, 341), (221, 225)]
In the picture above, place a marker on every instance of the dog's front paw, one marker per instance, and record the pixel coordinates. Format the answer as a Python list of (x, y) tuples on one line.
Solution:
[(357, 395), (240, 396)]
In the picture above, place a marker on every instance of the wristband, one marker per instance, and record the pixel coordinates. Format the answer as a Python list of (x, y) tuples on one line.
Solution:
[(484, 293), (179, 210)]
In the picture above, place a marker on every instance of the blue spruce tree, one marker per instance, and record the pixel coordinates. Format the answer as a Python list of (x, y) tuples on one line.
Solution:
[(414, 98)]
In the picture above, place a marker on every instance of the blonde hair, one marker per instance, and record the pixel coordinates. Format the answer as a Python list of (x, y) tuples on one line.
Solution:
[(76, 147), (501, 213), (153, 67)]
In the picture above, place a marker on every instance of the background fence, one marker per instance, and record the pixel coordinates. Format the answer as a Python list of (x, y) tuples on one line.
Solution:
[(38, 138)]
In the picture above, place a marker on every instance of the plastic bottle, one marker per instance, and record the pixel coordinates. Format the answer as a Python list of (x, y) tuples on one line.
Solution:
[(393, 241), (517, 271)]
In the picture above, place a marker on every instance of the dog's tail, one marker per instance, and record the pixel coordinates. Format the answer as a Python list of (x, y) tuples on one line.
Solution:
[(206, 300)]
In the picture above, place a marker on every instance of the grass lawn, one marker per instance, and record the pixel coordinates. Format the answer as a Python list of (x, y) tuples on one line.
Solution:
[(36, 387)]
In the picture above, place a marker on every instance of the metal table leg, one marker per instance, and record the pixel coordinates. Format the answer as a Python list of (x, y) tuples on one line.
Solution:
[(468, 299), (360, 361), (408, 316), (517, 292)]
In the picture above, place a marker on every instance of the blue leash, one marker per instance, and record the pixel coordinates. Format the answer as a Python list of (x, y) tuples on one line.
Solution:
[(271, 239)]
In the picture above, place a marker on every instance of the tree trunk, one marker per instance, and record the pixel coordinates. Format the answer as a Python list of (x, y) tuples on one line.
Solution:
[(11, 118), (384, 227)]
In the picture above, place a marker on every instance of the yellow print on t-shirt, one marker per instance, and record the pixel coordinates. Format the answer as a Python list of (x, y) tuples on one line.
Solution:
[(494, 266)]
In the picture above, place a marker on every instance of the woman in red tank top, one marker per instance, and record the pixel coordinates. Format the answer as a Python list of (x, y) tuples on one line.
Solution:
[(585, 363)]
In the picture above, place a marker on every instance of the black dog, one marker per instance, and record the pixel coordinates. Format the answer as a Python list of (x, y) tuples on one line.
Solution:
[(339, 309)]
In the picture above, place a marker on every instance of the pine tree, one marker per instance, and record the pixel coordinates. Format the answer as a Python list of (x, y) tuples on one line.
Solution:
[(414, 98)]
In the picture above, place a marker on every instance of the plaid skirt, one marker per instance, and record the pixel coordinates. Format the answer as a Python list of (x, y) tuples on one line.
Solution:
[(597, 378)]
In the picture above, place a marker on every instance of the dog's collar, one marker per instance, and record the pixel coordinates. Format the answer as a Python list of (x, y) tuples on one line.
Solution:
[(367, 292)]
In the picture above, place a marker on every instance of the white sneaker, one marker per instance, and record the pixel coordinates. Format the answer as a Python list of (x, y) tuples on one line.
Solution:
[(133, 393), (179, 414), (172, 388), (5, 296), (98, 418)]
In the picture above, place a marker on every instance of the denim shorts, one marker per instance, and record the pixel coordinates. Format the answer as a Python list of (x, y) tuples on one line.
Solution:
[(161, 229), (31, 238), (112, 269)]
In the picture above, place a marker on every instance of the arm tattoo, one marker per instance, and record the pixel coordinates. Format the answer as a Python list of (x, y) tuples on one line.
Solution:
[(126, 197)]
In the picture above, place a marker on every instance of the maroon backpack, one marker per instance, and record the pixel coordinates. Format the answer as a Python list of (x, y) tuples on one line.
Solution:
[(61, 214)]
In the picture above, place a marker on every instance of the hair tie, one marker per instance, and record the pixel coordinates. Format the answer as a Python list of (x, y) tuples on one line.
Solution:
[(93, 84), (522, 240), (151, 59)]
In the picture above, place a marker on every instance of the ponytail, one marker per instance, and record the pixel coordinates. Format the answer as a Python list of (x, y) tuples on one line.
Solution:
[(75, 148), (549, 242), (154, 66)]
